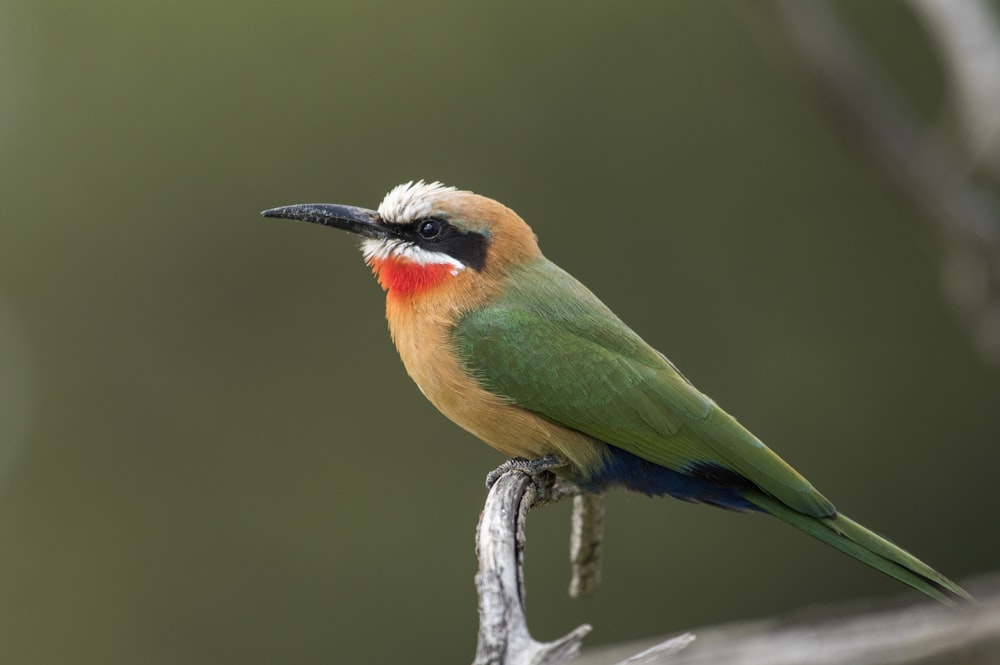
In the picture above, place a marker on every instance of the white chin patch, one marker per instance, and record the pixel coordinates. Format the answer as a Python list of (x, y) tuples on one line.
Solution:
[(382, 249)]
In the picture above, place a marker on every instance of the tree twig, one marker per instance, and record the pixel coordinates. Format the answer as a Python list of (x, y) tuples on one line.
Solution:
[(586, 535), (504, 638)]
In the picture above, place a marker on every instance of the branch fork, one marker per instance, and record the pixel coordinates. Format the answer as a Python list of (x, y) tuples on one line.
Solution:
[(504, 638)]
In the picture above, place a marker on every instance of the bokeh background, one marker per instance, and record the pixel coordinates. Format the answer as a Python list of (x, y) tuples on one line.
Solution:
[(209, 451)]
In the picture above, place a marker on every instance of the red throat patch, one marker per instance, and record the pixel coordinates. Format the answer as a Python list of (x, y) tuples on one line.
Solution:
[(402, 278)]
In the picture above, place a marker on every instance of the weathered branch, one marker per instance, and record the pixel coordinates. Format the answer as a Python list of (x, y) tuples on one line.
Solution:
[(504, 638), (926, 634), (585, 539)]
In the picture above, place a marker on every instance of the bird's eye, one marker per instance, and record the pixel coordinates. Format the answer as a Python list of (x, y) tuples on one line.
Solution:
[(429, 229)]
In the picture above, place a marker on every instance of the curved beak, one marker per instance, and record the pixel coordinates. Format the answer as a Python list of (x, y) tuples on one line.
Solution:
[(362, 221)]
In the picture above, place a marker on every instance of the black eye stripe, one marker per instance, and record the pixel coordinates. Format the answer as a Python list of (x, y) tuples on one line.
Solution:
[(437, 235)]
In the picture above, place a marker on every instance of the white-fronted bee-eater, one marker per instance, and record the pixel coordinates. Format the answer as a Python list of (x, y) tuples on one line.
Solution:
[(522, 355)]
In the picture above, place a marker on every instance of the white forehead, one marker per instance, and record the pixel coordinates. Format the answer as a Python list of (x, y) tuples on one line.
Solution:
[(411, 201)]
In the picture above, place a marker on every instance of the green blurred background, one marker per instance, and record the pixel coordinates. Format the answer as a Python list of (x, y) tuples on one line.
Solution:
[(209, 451)]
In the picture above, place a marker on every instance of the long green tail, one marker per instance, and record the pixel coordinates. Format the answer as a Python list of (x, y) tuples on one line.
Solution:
[(868, 547)]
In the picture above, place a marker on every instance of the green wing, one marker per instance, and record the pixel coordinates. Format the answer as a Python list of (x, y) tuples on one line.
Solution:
[(550, 346)]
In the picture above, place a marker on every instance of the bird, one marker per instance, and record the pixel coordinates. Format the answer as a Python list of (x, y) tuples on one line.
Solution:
[(519, 353)]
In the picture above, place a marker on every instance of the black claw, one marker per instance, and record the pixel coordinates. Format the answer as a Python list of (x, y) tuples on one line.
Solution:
[(532, 467)]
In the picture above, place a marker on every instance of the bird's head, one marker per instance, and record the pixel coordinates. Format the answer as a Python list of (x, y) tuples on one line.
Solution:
[(424, 234)]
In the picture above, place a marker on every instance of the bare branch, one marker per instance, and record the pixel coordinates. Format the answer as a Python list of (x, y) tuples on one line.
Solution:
[(504, 638), (926, 633)]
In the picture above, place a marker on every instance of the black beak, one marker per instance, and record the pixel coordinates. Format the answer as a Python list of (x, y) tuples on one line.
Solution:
[(364, 222)]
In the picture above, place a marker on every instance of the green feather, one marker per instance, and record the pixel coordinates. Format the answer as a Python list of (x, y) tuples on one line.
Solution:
[(866, 546)]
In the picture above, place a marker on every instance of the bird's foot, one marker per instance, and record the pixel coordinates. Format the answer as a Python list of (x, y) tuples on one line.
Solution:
[(532, 467)]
